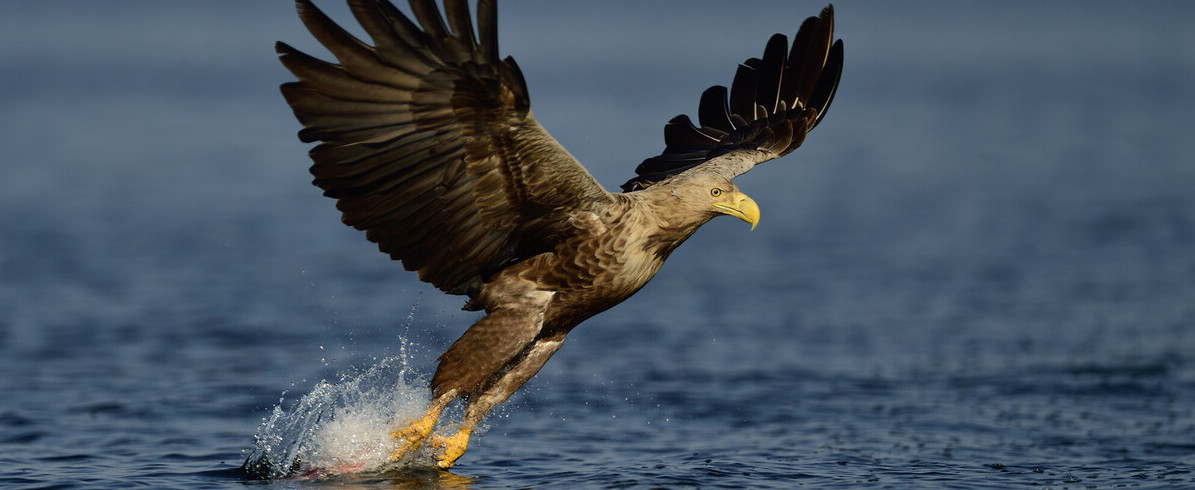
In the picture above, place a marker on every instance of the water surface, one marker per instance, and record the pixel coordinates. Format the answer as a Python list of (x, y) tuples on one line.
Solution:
[(976, 273)]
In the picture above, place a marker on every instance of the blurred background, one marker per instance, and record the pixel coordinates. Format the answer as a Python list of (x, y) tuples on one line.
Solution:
[(1000, 200)]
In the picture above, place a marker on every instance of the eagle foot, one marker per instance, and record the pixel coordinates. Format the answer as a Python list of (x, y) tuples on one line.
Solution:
[(412, 436), (452, 447)]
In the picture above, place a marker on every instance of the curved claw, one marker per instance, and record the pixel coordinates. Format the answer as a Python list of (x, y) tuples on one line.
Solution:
[(412, 436), (451, 447)]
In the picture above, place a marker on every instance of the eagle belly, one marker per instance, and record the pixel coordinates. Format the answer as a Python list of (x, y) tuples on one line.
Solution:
[(602, 263)]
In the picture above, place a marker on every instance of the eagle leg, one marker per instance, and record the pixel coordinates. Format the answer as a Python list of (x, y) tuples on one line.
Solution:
[(521, 369), (412, 435)]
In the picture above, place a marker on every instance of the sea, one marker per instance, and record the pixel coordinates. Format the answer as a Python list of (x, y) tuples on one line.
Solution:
[(978, 271)]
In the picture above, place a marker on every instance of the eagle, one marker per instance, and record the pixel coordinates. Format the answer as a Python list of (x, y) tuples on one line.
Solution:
[(427, 143)]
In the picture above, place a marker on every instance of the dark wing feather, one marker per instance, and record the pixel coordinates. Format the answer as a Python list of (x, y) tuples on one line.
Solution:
[(714, 110), (427, 140), (771, 105)]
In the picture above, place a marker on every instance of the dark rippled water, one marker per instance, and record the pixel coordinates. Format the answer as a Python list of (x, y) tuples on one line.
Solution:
[(978, 272)]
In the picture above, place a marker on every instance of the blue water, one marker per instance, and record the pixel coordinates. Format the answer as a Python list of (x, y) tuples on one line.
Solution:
[(978, 272)]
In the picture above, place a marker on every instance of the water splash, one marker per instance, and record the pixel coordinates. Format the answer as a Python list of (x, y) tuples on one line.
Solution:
[(403, 352), (342, 427), (345, 427)]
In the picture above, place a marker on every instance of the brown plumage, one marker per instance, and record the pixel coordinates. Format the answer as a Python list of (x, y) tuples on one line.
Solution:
[(428, 144)]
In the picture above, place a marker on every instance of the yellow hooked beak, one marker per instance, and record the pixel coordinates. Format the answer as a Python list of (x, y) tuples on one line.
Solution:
[(741, 207)]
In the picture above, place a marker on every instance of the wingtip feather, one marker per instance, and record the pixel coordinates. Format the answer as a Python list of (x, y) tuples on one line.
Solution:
[(770, 106)]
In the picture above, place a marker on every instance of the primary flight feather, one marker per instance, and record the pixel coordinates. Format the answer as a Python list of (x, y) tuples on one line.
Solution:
[(428, 144)]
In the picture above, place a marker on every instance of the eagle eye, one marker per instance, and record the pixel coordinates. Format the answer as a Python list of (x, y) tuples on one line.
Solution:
[(715, 192)]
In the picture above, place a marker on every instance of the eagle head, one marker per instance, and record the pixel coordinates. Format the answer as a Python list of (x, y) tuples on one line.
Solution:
[(713, 195)]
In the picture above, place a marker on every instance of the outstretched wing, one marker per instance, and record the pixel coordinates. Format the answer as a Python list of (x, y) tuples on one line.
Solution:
[(771, 105), (428, 142)]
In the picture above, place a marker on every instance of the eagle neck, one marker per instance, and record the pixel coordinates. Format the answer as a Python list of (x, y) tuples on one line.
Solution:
[(670, 222)]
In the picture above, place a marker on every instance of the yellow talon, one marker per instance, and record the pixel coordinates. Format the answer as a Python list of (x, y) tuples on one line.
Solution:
[(452, 447), (412, 436)]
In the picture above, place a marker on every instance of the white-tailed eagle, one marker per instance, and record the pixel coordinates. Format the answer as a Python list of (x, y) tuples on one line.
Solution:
[(428, 144)]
